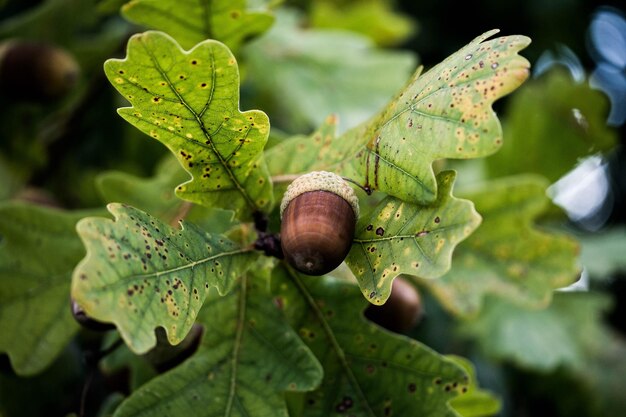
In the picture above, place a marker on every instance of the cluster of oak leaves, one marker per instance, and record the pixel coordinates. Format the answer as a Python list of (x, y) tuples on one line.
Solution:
[(259, 338)]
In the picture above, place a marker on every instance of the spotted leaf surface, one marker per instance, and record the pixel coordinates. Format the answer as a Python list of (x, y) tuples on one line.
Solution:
[(190, 102), (247, 358), (476, 402), (192, 21), (444, 113), (403, 238), (508, 256), (367, 371), (140, 273), (38, 251)]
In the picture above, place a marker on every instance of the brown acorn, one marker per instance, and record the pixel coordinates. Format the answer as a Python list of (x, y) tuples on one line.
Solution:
[(401, 312), (35, 71), (319, 213)]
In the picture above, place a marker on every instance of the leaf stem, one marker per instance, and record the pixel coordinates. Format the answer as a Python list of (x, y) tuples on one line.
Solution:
[(237, 345), (181, 213), (269, 243), (91, 360), (278, 179)]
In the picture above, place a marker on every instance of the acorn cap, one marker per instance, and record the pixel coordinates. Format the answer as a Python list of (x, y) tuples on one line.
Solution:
[(320, 181)]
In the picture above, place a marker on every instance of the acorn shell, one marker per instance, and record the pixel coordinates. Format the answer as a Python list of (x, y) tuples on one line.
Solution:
[(402, 311), (318, 225), (35, 71)]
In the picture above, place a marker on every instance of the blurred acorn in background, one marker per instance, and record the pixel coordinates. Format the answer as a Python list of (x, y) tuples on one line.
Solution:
[(402, 311), (36, 71)]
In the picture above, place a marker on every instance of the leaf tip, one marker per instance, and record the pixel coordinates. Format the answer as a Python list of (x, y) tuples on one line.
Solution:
[(485, 36)]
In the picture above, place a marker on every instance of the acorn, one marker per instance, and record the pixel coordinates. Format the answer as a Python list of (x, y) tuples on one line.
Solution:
[(35, 71), (402, 311), (318, 217)]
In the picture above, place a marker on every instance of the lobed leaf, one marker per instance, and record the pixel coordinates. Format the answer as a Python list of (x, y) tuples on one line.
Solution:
[(190, 102), (193, 21), (403, 238), (38, 251), (247, 358), (140, 273), (507, 256), (445, 113), (367, 371)]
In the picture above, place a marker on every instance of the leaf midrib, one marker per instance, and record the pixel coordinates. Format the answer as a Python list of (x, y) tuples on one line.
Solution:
[(333, 340), (200, 122), (157, 274), (241, 309), (411, 236)]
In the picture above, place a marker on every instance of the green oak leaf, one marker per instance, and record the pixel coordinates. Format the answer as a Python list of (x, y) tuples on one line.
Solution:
[(476, 402), (155, 195), (247, 358), (39, 248), (544, 339), (398, 237), (444, 113), (193, 21), (376, 19), (190, 102), (553, 122), (368, 371), (507, 256), (140, 273), (310, 73)]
